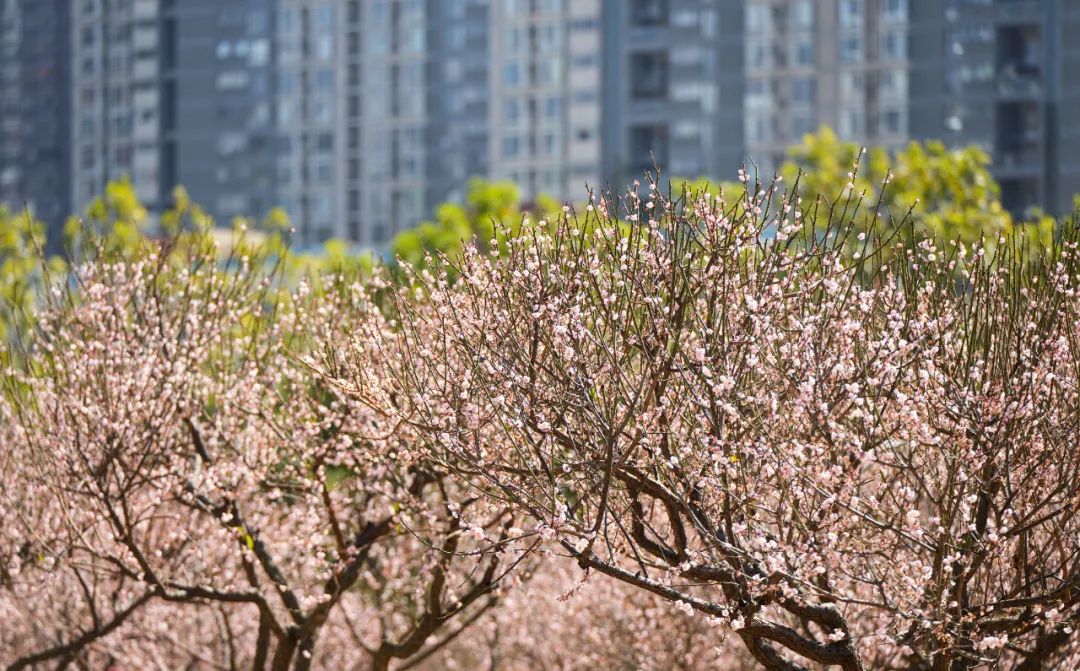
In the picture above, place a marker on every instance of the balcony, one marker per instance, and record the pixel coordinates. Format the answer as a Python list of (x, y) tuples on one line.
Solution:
[(647, 143), (649, 13), (1018, 160), (1018, 57), (649, 76), (1019, 10), (1012, 84), (1018, 194), (1019, 137)]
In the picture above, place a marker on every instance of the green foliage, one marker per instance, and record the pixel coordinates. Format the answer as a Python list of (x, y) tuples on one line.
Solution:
[(949, 193), (117, 227), (114, 223), (22, 244), (492, 211)]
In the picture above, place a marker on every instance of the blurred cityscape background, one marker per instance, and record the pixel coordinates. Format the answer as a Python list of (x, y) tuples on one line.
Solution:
[(359, 116)]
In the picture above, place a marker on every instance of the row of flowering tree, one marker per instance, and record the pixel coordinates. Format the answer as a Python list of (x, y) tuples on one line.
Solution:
[(682, 431)]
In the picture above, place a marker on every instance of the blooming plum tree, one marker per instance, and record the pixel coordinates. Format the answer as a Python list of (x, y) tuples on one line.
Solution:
[(848, 451), (181, 489)]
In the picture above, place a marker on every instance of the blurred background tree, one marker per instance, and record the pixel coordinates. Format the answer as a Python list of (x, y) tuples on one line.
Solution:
[(950, 193), (22, 245), (491, 211)]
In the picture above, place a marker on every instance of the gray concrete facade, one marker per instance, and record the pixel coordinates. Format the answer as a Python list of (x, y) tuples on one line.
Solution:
[(35, 109)]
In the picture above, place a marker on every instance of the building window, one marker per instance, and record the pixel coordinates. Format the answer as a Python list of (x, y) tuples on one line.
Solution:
[(851, 84), (553, 107), (286, 20), (893, 84), (232, 80), (549, 37), (755, 87), (231, 204), (324, 47), (584, 25), (892, 122), (549, 6), (550, 144), (511, 74), (511, 110), (804, 90), (801, 125), (804, 52), (649, 12), (259, 54), (511, 146), (649, 72), (324, 17), (851, 13), (895, 10), (802, 14), (549, 72), (851, 49), (648, 143), (584, 60), (757, 129), (757, 54), (894, 45), (231, 143), (757, 18), (324, 110), (851, 124)]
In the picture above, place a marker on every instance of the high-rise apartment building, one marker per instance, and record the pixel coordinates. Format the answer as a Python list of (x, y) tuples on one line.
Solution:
[(673, 88), (813, 63), (217, 133), (1002, 75), (598, 92), (35, 108), (360, 116), (381, 111), (11, 133), (171, 93), (388, 172), (997, 74), (545, 112), (458, 97), (308, 44), (116, 91)]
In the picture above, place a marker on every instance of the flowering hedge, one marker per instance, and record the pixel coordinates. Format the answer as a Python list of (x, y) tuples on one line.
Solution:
[(805, 446)]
